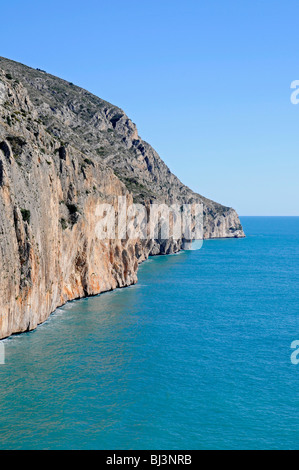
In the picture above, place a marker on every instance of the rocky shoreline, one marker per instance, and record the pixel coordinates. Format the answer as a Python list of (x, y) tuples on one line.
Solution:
[(62, 152)]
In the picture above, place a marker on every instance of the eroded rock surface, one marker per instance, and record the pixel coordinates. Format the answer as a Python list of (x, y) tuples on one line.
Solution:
[(62, 152)]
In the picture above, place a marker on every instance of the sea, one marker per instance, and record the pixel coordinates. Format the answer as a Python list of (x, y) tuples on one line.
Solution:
[(196, 355)]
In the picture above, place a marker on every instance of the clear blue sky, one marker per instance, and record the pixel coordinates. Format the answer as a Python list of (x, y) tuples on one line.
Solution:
[(206, 82)]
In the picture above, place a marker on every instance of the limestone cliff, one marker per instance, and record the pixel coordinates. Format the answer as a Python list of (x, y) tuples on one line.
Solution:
[(62, 151)]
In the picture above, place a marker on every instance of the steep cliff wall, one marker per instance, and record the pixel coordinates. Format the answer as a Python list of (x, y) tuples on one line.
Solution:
[(62, 152)]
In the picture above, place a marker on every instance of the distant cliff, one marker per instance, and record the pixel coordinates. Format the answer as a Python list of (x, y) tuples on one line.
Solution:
[(62, 151)]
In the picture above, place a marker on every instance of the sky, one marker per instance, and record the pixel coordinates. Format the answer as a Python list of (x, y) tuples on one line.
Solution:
[(206, 82)]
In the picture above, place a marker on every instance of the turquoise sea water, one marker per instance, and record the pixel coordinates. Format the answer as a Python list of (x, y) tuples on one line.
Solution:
[(195, 356)]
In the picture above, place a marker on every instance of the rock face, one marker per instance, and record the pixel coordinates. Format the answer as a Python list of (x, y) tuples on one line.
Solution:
[(62, 152)]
